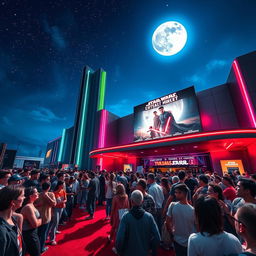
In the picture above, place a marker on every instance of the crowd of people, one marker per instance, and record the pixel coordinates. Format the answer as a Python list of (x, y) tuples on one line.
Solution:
[(191, 213)]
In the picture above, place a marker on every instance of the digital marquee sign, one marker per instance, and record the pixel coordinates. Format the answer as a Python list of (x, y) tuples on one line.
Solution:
[(171, 115)]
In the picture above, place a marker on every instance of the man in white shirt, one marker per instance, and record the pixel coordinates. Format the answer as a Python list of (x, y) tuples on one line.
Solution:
[(157, 193), (180, 220)]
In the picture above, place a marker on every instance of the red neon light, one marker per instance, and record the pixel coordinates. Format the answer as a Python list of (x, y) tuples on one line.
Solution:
[(244, 92), (229, 145), (177, 138), (168, 121)]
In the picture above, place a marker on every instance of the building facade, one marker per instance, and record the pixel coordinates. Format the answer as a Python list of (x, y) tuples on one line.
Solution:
[(223, 137)]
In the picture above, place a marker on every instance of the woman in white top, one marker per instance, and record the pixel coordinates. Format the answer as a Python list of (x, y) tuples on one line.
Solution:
[(211, 240), (110, 192)]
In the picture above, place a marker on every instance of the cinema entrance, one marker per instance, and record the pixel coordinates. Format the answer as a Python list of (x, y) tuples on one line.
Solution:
[(194, 162)]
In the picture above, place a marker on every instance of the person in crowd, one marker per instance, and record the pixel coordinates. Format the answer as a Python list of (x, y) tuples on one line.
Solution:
[(203, 187), (216, 192), (76, 188), (61, 199), (156, 192), (60, 177), (83, 193), (91, 197), (166, 188), (53, 177), (33, 181), (15, 179), (175, 179), (211, 240), (148, 203), (31, 222), (97, 191), (245, 219), (172, 196), (133, 182), (44, 177), (110, 192), (191, 182), (102, 185), (70, 196), (180, 220), (45, 204), (137, 233), (25, 174), (11, 199), (4, 177), (122, 179), (229, 192), (246, 193), (120, 203)]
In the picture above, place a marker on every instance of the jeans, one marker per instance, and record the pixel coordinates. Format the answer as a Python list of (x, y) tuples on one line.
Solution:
[(54, 223), (108, 206), (42, 233), (180, 250), (32, 242), (90, 204), (158, 219)]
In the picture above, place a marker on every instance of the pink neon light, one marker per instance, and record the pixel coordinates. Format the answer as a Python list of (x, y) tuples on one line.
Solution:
[(229, 145), (102, 133), (177, 138), (244, 92)]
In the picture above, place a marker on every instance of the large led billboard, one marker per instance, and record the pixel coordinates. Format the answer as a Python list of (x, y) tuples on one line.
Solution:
[(171, 115)]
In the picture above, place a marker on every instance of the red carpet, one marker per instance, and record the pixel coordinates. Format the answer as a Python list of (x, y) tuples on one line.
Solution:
[(86, 238)]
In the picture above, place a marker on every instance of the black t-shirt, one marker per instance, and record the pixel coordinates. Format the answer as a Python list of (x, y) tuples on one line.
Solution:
[(191, 183), (92, 188)]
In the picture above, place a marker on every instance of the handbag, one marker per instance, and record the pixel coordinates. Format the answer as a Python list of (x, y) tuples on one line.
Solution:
[(167, 237)]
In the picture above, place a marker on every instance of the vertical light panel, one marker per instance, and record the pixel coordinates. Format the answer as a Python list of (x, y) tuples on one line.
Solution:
[(102, 134), (244, 92), (102, 89), (60, 156), (82, 121)]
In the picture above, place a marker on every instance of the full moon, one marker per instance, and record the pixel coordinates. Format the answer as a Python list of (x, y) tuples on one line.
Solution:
[(169, 38)]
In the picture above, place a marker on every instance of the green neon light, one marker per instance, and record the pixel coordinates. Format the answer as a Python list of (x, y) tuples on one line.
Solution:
[(102, 90), (81, 132), (62, 145)]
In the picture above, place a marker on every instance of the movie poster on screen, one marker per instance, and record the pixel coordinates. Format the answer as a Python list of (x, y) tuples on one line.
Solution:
[(171, 115)]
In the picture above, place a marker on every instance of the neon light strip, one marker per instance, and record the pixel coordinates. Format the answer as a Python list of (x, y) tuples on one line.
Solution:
[(229, 145), (102, 89), (62, 145), (177, 138), (85, 101), (102, 133), (244, 92)]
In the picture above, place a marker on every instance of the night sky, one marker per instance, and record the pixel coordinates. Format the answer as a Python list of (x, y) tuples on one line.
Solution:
[(45, 44)]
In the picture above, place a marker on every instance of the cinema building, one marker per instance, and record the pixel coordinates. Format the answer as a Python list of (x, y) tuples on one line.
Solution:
[(213, 129)]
